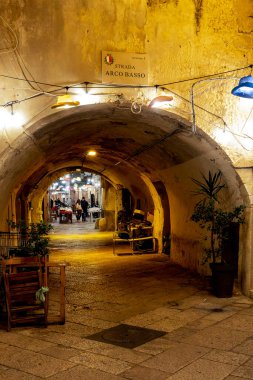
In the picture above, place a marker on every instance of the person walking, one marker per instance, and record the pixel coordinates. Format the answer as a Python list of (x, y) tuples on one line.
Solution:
[(78, 210), (84, 205)]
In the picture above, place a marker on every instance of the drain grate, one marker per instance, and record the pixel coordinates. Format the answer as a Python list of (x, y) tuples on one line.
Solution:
[(126, 336)]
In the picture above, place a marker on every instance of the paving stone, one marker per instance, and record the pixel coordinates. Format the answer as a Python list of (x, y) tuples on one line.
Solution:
[(166, 325), (245, 347), (13, 374), (179, 334), (192, 301), (3, 368), (216, 337), (32, 362), (156, 293), (190, 315), (176, 357), (244, 372), (178, 320), (226, 357), (60, 352), (101, 362), (200, 324), (244, 301), (249, 363), (90, 345), (238, 323), (146, 319), (209, 306), (84, 373), (3, 346), (141, 373), (67, 340), (204, 370), (19, 340), (156, 346), (124, 354), (248, 311), (76, 329), (219, 316), (92, 322), (111, 316)]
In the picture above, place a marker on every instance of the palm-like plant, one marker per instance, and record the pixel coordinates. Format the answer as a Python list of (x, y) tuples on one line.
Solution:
[(210, 187), (210, 216)]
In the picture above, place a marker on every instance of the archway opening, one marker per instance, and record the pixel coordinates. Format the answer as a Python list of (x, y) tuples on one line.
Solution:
[(153, 155)]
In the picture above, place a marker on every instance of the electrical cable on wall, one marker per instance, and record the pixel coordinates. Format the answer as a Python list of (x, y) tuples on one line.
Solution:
[(137, 104), (11, 31), (143, 148), (93, 85)]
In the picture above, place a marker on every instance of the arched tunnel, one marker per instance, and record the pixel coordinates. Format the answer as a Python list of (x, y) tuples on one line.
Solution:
[(153, 154)]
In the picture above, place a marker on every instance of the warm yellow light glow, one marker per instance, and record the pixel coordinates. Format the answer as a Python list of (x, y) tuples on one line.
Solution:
[(222, 137), (162, 101), (88, 99), (91, 153), (65, 101), (11, 119)]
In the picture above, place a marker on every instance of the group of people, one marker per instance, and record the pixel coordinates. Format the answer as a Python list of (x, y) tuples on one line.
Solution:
[(81, 209)]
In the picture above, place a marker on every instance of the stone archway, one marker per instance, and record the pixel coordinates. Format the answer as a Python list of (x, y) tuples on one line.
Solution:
[(136, 151)]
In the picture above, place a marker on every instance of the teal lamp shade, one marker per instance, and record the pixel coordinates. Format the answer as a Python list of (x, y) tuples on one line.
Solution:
[(245, 88)]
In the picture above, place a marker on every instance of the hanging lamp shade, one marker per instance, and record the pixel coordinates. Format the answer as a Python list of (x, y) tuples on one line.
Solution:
[(65, 101), (159, 100), (245, 88)]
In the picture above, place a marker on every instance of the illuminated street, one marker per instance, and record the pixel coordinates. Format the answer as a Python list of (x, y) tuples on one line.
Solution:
[(109, 287), (127, 126), (199, 336)]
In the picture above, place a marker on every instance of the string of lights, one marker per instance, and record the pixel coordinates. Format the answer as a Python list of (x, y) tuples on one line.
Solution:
[(136, 104), (93, 85)]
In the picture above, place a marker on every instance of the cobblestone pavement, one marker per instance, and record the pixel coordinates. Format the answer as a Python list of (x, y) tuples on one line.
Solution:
[(204, 337)]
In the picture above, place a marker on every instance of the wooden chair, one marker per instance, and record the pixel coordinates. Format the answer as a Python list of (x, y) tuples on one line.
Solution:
[(21, 303)]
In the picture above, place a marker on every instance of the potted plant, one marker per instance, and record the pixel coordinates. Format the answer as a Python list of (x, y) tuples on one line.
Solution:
[(33, 239), (209, 214)]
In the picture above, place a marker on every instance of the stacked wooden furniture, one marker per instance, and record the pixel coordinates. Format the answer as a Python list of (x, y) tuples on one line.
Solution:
[(21, 303), (22, 277), (134, 237)]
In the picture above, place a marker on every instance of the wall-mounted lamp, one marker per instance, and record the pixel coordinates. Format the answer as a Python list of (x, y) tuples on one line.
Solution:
[(65, 101), (160, 101), (11, 119), (245, 87)]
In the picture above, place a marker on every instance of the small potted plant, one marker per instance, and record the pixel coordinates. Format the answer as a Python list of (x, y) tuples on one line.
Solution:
[(217, 222), (33, 239)]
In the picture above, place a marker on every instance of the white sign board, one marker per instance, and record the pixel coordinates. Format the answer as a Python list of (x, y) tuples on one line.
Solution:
[(124, 68)]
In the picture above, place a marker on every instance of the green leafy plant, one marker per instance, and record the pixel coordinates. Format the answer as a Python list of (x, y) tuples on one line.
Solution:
[(34, 237), (210, 216)]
